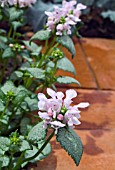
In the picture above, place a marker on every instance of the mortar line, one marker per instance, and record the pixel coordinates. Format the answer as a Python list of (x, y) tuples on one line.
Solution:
[(88, 64), (84, 88)]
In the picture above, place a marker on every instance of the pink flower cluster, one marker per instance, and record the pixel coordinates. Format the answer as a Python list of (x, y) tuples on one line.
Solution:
[(21, 3), (62, 19), (58, 112)]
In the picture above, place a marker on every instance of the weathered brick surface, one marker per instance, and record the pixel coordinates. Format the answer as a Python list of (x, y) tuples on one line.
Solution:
[(97, 132), (101, 55), (99, 153), (101, 112)]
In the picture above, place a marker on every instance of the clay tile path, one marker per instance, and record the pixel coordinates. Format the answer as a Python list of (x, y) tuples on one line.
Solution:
[(95, 66)]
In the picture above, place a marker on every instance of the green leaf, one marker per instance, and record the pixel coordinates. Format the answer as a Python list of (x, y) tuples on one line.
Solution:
[(22, 88), (32, 103), (3, 39), (1, 106), (8, 86), (37, 133), (41, 35), (2, 31), (66, 65), (46, 151), (15, 13), (71, 142), (67, 80), (4, 144), (8, 53), (25, 54), (2, 45), (25, 126), (33, 47), (67, 42), (5, 161), (24, 146), (35, 72), (19, 98), (16, 24), (109, 14), (2, 95), (16, 75)]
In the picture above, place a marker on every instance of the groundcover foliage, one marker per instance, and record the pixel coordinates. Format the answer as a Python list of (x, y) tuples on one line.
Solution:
[(27, 68)]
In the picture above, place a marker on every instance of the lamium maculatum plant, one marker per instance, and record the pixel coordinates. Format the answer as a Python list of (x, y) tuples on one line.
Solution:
[(27, 68)]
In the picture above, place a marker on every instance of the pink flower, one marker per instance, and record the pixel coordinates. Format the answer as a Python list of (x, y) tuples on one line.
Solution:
[(21, 3), (57, 111), (56, 125), (62, 19), (73, 114)]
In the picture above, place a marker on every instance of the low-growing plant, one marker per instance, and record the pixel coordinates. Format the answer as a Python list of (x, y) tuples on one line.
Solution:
[(27, 68)]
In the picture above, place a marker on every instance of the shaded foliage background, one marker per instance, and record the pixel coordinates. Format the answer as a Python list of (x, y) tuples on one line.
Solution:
[(98, 18)]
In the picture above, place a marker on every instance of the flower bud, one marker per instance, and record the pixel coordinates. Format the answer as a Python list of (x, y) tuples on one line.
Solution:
[(11, 45), (60, 117), (22, 46)]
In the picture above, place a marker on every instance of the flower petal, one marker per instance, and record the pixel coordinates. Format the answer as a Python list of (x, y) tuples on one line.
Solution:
[(60, 95), (76, 121), (51, 93), (71, 94), (81, 6), (42, 105), (43, 115), (57, 123), (83, 105), (41, 96)]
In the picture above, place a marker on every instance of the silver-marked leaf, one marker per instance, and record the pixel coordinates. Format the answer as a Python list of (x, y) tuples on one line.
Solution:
[(46, 151), (4, 144), (33, 47), (67, 42), (37, 133), (67, 80), (4, 160), (41, 35), (24, 146), (35, 72), (66, 65), (8, 53), (8, 86), (71, 142), (1, 106)]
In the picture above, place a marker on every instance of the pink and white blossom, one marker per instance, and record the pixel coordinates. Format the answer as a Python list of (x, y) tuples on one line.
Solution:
[(57, 111), (62, 19), (20, 3)]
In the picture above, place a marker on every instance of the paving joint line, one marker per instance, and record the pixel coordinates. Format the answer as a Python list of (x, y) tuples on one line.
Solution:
[(84, 88), (88, 64), (96, 129)]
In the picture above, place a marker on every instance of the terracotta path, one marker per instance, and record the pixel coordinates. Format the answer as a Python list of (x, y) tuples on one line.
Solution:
[(95, 66)]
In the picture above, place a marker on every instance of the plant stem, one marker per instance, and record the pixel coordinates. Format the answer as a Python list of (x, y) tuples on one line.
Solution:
[(28, 83), (10, 165), (48, 50), (5, 107), (41, 149), (51, 49), (10, 32), (50, 46), (19, 162), (46, 44)]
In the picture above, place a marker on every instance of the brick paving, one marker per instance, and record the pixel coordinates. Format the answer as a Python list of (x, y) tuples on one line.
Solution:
[(95, 66)]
